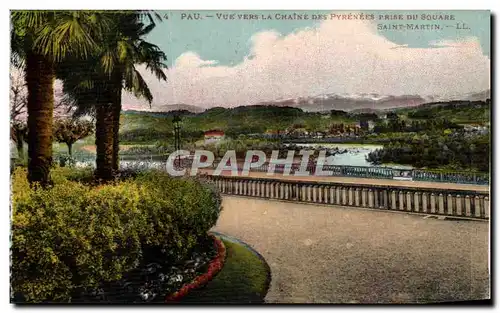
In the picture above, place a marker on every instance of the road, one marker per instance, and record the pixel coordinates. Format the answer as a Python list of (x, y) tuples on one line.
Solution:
[(333, 254), (363, 181)]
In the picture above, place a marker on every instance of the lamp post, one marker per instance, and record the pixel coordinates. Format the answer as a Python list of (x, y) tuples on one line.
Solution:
[(177, 136)]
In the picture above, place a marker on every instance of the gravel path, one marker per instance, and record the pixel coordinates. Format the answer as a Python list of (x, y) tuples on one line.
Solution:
[(320, 254)]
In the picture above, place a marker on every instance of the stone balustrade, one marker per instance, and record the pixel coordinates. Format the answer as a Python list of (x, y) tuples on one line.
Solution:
[(457, 203)]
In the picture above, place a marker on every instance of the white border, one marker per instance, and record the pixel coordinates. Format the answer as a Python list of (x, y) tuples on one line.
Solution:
[(194, 5)]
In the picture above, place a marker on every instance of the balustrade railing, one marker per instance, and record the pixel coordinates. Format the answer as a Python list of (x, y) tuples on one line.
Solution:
[(457, 203)]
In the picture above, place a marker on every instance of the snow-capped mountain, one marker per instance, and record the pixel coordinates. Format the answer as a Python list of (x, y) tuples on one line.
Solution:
[(367, 101), (363, 102)]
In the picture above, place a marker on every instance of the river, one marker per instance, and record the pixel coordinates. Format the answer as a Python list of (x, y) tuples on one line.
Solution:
[(355, 154)]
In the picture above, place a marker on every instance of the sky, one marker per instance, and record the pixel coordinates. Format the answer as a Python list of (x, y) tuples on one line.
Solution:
[(218, 62)]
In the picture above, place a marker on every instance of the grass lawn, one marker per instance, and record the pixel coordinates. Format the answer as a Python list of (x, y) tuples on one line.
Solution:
[(244, 278)]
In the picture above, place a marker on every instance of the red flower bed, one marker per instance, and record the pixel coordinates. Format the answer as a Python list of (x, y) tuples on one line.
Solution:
[(213, 268)]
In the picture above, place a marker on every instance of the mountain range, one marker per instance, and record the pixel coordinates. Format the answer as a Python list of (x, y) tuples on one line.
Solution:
[(359, 103)]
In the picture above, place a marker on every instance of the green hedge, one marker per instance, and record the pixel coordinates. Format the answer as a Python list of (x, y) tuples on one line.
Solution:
[(75, 235)]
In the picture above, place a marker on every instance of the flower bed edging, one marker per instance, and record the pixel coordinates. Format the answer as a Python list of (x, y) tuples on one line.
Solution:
[(214, 267)]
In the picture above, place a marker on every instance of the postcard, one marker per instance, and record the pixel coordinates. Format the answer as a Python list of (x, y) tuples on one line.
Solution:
[(250, 157)]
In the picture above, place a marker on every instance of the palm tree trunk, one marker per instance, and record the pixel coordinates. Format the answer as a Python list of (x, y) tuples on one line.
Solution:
[(104, 141), (40, 83), (117, 109), (19, 134)]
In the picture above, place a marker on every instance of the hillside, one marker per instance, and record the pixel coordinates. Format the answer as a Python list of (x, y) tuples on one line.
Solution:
[(461, 112), (154, 126)]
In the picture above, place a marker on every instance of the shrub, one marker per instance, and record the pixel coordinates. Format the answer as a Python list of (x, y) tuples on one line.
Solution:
[(76, 236), (178, 220)]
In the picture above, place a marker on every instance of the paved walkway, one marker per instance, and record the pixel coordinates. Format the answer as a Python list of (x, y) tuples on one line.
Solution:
[(331, 254), (365, 181)]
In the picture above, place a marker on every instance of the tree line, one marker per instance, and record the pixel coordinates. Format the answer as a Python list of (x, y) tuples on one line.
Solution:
[(454, 151)]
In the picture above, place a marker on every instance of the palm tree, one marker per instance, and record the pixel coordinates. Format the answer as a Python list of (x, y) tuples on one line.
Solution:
[(127, 48), (87, 88), (98, 86), (39, 40)]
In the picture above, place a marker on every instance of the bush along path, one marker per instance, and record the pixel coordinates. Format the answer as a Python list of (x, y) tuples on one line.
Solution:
[(136, 239), (244, 278)]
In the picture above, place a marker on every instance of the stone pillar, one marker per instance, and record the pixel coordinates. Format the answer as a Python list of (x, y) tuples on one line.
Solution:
[(477, 204), (416, 201), (450, 204), (468, 204), (441, 204), (351, 195), (332, 194), (486, 207), (370, 198), (458, 201), (357, 197), (393, 200), (401, 201), (337, 195), (376, 198), (344, 196), (386, 199), (425, 202), (433, 203), (314, 190), (409, 204)]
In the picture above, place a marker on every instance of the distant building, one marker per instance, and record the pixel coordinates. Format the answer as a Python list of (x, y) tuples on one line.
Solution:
[(366, 125), (297, 133), (271, 133), (318, 135), (213, 136), (363, 125)]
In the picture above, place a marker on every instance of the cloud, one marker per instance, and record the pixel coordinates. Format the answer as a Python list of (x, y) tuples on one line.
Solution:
[(192, 60), (339, 56)]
